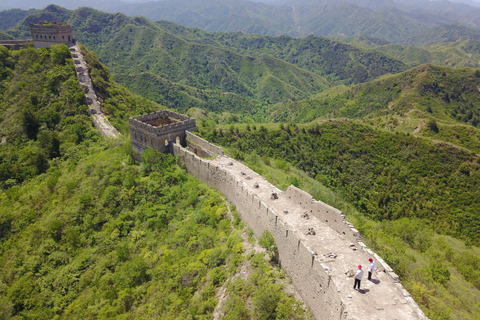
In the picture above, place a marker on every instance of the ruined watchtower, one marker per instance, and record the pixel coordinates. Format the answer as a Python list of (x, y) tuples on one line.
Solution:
[(45, 34), (159, 129)]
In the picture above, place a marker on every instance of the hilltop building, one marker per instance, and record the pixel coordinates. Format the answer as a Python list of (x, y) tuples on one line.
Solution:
[(45, 34), (159, 129)]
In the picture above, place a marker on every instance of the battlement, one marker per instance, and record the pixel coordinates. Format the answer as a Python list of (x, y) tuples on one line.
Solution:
[(46, 33), (159, 129), (317, 246)]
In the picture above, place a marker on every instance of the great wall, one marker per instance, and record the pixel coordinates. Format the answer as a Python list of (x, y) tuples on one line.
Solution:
[(316, 245)]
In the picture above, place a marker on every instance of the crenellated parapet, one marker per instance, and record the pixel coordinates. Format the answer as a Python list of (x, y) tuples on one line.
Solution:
[(317, 247), (47, 33), (159, 129)]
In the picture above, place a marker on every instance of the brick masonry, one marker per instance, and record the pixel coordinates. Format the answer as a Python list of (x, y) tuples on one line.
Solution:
[(145, 133), (320, 280)]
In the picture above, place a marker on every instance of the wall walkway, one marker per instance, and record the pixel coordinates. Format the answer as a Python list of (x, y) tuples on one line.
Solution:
[(317, 263), (99, 119)]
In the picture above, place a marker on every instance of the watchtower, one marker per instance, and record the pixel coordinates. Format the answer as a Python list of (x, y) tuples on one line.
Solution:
[(158, 130), (45, 34)]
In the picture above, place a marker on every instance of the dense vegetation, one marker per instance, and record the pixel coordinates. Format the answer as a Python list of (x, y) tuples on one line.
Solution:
[(400, 192), (43, 115), (87, 233), (10, 18), (386, 176), (182, 97), (320, 55), (42, 111), (108, 238), (396, 21), (438, 102)]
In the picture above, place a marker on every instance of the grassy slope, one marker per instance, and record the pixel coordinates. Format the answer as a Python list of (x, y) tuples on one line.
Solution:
[(410, 102)]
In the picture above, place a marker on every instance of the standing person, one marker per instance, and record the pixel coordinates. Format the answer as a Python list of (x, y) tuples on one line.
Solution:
[(358, 277), (371, 268)]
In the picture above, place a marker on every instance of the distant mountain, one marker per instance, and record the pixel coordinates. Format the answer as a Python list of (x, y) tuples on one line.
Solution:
[(10, 18), (458, 54), (206, 66), (336, 61), (5, 36), (391, 20), (395, 21), (443, 34), (443, 51)]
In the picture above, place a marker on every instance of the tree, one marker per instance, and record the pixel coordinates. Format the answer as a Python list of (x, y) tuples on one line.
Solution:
[(59, 53), (432, 125)]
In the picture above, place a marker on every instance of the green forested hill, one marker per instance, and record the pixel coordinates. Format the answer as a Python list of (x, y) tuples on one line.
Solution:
[(10, 18), (460, 54), (87, 233), (437, 102), (391, 20), (182, 97), (265, 69), (42, 111), (208, 67), (5, 36), (43, 116), (336, 61), (444, 34), (442, 52), (139, 45)]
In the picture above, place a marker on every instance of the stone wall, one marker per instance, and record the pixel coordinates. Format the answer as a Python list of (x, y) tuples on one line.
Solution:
[(310, 277), (15, 44), (324, 212), (46, 34), (99, 120), (202, 147), (144, 135)]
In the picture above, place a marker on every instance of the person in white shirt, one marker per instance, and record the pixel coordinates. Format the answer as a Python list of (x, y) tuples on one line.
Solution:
[(358, 277), (371, 268)]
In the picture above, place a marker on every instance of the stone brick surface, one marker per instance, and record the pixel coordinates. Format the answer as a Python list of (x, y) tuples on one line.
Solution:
[(318, 263)]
